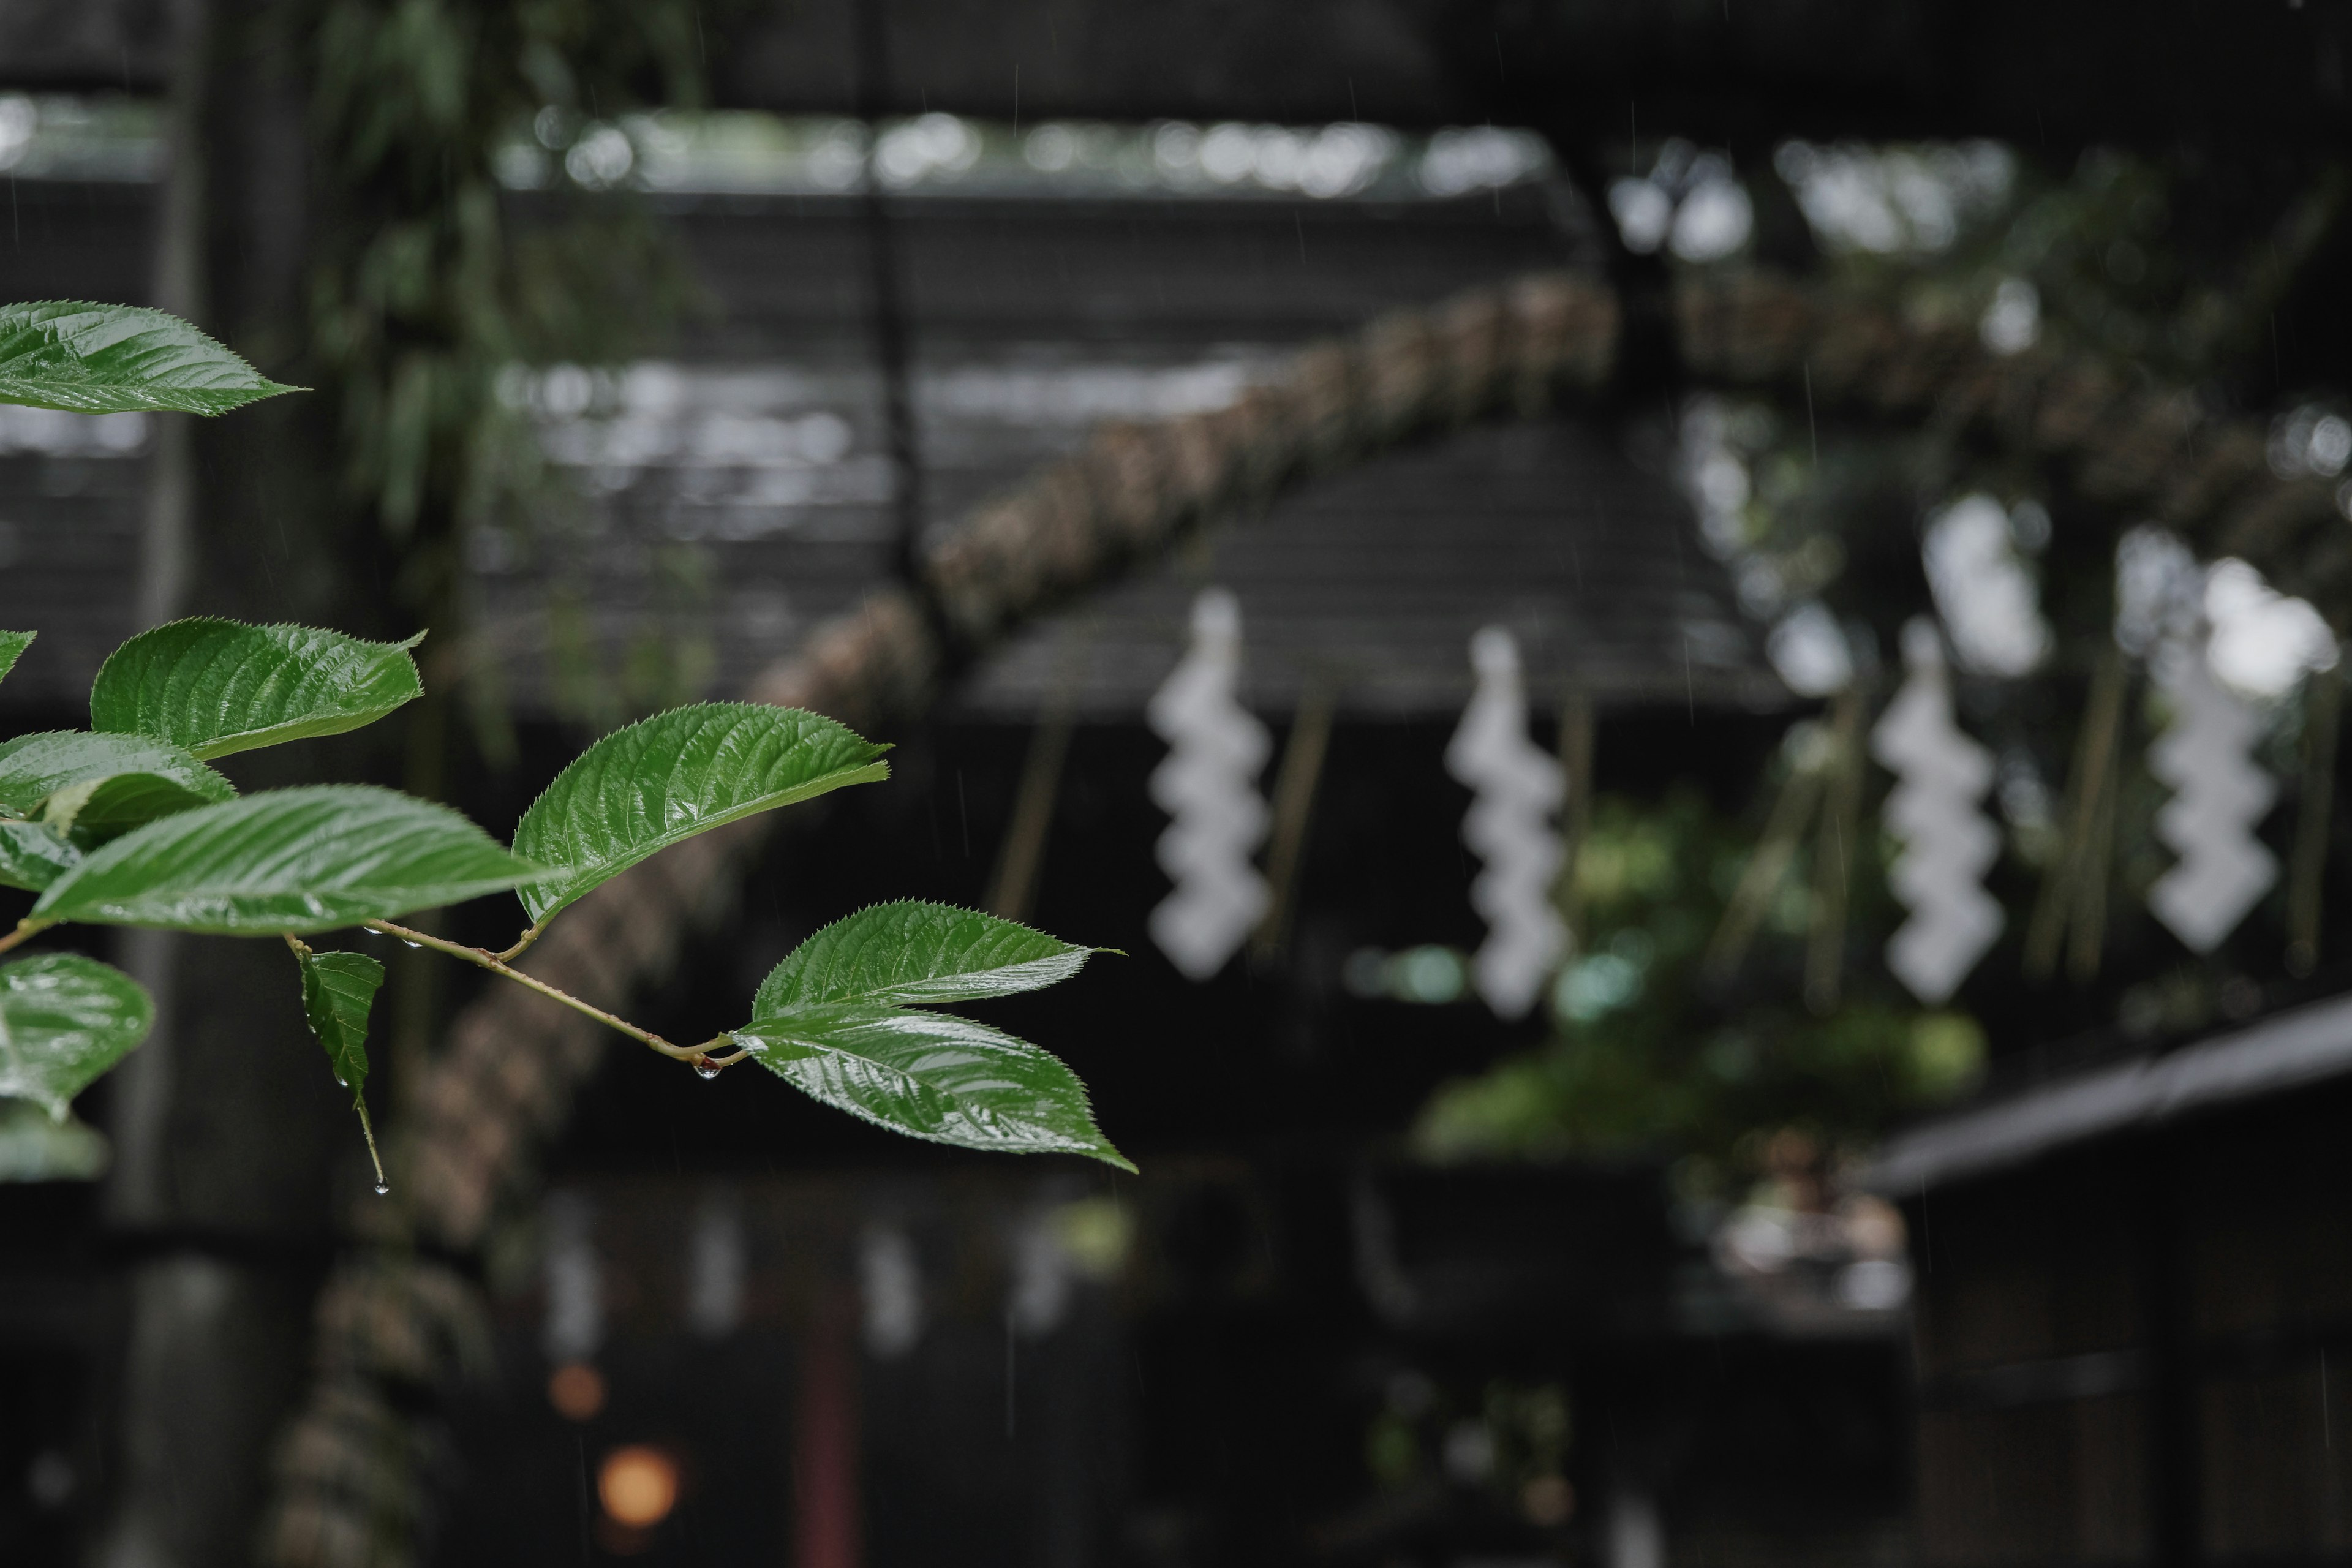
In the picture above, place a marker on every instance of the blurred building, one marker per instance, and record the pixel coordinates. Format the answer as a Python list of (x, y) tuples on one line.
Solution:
[(815, 1343), (734, 1328), (2132, 1297)]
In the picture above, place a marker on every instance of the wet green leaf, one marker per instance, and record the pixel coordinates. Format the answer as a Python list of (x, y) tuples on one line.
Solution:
[(286, 860), (98, 812), (216, 687), (64, 1021), (12, 648), (932, 1076), (664, 779), (33, 856), (337, 990), (35, 768), (113, 359), (915, 952)]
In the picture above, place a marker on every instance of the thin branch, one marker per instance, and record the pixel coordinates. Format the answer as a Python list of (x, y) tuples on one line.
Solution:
[(496, 964), (523, 945), (26, 929), (367, 1131)]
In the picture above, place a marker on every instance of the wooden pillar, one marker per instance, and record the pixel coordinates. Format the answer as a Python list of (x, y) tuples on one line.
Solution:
[(827, 1514)]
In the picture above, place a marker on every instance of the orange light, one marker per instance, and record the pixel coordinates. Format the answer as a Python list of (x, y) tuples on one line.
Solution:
[(638, 1486), (1547, 1501), (576, 1390)]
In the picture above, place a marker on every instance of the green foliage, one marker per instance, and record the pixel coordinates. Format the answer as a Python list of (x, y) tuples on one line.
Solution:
[(217, 687), (126, 825), (116, 358), (33, 854), (337, 990), (64, 1021), (90, 814), (131, 828), (663, 780), (1650, 1053), (34, 768), (306, 860), (917, 952), (431, 280), (828, 1022), (931, 1076)]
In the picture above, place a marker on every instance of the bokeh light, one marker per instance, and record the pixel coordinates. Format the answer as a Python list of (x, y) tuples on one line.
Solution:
[(576, 1390), (638, 1486)]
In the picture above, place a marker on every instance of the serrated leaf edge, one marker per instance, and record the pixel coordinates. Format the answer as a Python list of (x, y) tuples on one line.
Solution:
[(872, 771), (255, 740), (177, 400), (1103, 1148), (1076, 953)]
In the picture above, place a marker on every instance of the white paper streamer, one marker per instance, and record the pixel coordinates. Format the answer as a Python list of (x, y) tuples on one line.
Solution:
[(574, 1274), (890, 1288), (715, 1266), (1509, 827), (1947, 843), (1209, 785), (2218, 794)]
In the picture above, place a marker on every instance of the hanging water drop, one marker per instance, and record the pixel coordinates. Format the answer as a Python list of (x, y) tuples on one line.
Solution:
[(382, 1188), (704, 1068), (417, 945)]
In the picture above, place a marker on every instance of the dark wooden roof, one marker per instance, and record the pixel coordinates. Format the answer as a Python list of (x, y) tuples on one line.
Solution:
[(1373, 581), (1031, 320), (741, 490), (2285, 1053), (2055, 77)]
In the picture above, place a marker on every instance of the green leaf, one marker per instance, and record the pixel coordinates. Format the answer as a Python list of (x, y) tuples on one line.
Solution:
[(103, 810), (914, 951), (216, 687), (301, 860), (35, 768), (931, 1076), (33, 856), (115, 358), (36, 1148), (338, 989), (12, 648), (663, 780), (64, 1021)]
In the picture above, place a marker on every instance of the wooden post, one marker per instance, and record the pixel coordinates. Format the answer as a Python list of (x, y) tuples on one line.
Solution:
[(2073, 887), (1294, 808), (1833, 851), (1013, 886), (2314, 811), (828, 1513)]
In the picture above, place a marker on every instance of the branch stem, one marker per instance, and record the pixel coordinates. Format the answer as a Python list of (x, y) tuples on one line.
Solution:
[(523, 945), (495, 963), (25, 931)]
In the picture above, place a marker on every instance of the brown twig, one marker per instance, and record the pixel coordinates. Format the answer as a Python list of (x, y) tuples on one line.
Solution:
[(495, 963), (25, 931)]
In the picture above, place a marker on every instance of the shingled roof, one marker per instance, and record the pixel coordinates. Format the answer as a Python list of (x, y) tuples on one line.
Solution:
[(741, 490)]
